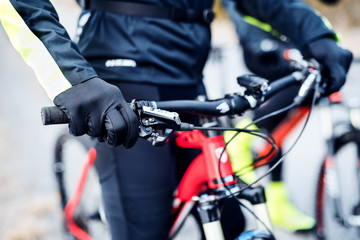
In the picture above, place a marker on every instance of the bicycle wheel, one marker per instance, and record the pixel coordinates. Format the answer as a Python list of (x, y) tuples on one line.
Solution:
[(89, 216), (338, 190)]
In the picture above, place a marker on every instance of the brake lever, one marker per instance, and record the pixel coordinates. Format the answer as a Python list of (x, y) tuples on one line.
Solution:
[(310, 68), (312, 79), (156, 125)]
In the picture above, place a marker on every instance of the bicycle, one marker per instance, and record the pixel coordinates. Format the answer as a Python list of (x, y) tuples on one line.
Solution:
[(335, 215), (209, 179), (337, 203)]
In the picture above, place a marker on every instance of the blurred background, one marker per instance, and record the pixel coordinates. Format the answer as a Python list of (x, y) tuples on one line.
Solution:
[(29, 207)]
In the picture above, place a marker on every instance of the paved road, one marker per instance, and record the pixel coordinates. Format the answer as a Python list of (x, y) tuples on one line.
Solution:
[(28, 201)]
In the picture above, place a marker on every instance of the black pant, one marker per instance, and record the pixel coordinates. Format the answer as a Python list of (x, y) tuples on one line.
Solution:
[(138, 183)]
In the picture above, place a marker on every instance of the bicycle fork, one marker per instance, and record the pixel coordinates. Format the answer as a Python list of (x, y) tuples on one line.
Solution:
[(209, 213), (256, 196)]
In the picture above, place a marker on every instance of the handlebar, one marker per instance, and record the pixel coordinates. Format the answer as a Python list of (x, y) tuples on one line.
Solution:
[(235, 104), (164, 114)]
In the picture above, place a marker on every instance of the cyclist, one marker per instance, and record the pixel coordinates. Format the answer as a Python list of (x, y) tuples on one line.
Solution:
[(263, 53), (149, 49)]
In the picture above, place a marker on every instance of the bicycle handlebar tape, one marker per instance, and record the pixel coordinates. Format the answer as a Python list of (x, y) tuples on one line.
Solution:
[(53, 115)]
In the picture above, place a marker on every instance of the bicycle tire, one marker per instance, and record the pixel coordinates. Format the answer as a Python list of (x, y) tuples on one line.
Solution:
[(331, 186), (89, 217)]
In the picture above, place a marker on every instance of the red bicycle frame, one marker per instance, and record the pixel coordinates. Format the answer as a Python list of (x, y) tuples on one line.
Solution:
[(202, 174), (73, 202), (281, 132), (286, 126)]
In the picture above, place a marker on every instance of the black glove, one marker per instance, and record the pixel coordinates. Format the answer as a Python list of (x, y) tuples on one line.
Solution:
[(99, 109), (335, 62)]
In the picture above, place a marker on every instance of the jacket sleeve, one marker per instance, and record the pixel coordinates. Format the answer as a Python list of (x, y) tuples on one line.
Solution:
[(35, 32), (293, 18)]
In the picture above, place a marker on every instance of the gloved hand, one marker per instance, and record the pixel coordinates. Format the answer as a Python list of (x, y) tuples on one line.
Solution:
[(99, 109), (334, 59)]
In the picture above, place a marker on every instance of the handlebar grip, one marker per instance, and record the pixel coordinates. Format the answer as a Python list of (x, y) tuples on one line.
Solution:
[(53, 115)]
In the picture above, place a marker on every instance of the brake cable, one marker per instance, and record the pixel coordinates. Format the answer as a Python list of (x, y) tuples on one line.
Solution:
[(292, 146), (281, 159)]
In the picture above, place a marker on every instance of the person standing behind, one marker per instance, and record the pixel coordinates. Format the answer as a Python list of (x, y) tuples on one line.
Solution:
[(263, 53)]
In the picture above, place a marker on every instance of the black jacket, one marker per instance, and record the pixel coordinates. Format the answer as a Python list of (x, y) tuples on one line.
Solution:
[(141, 49)]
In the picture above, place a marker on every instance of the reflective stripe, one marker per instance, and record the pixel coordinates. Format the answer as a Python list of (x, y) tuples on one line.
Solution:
[(267, 28), (328, 25), (263, 26), (33, 51)]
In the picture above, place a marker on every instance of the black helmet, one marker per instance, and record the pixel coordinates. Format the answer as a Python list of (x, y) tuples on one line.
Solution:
[(330, 1)]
